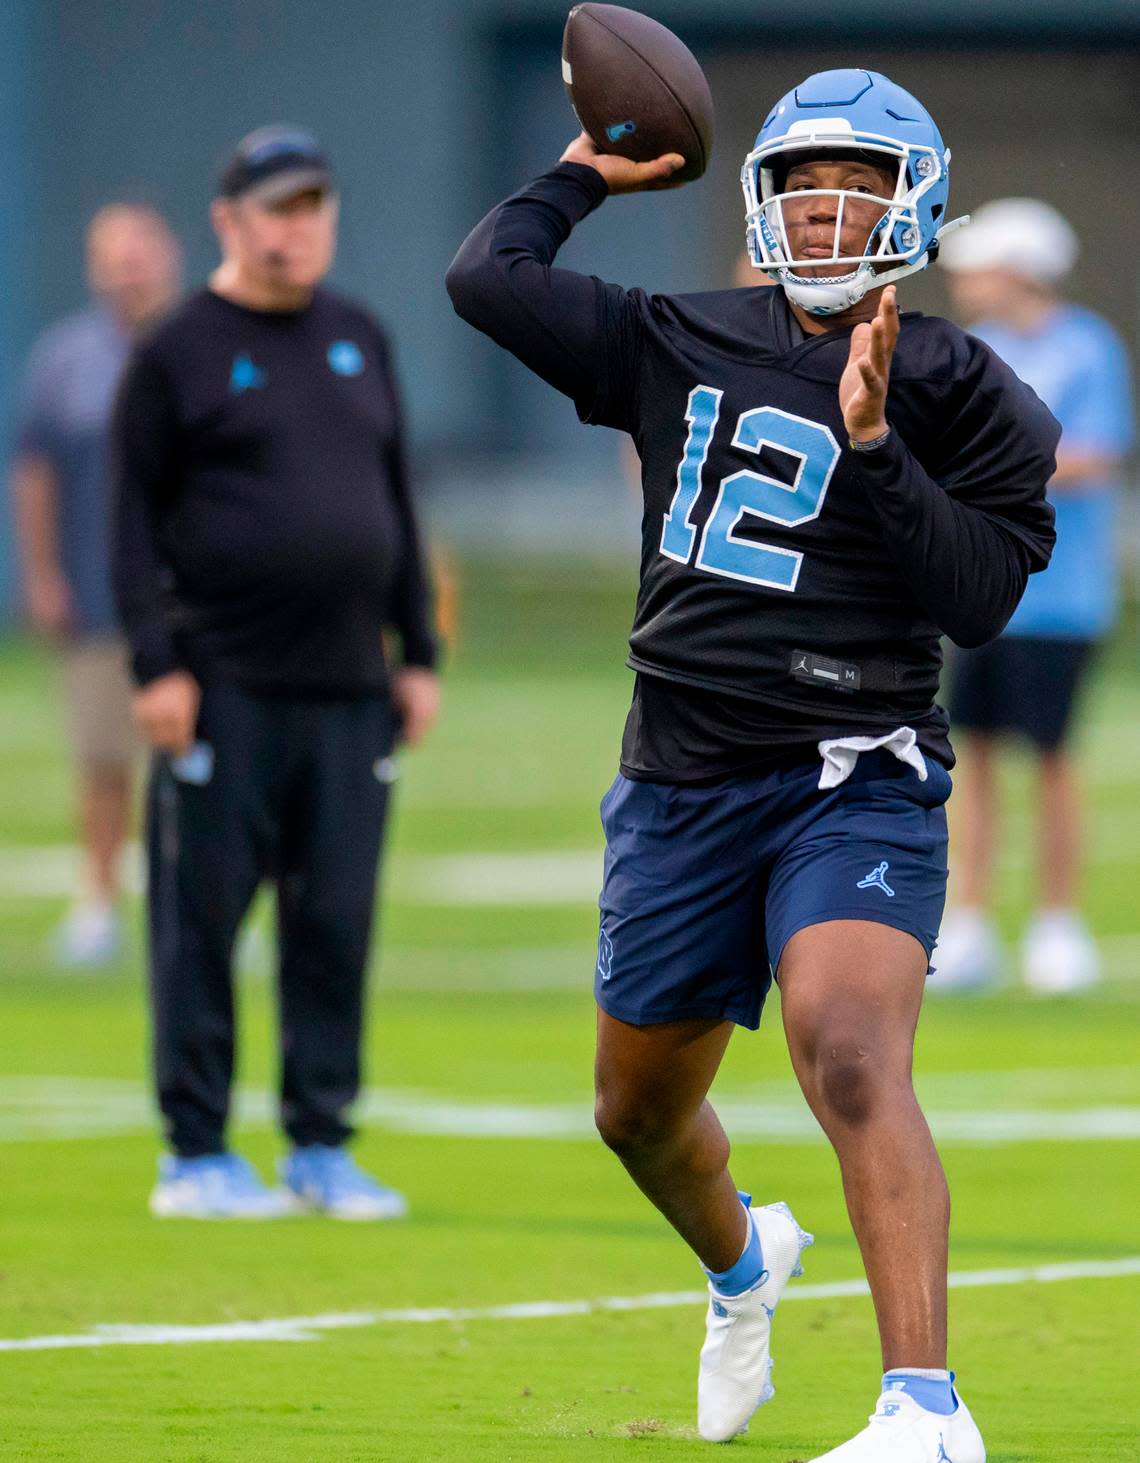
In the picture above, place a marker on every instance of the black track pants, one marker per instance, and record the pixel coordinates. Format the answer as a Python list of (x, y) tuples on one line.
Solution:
[(281, 788)]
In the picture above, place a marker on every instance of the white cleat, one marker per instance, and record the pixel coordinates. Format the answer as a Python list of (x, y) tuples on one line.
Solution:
[(736, 1362), (1058, 955), (90, 935), (967, 956), (900, 1431)]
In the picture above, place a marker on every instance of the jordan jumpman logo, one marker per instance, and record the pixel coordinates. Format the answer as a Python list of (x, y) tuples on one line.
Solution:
[(876, 880)]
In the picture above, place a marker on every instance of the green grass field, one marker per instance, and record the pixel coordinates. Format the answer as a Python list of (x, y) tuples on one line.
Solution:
[(479, 1108)]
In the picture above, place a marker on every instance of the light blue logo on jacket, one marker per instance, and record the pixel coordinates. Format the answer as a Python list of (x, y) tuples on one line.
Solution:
[(346, 358), (244, 375)]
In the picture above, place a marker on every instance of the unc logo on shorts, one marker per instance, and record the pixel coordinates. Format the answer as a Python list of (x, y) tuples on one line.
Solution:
[(605, 956)]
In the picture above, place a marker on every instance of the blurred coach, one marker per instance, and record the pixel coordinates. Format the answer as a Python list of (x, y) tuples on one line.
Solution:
[(1006, 274), (265, 539), (59, 484)]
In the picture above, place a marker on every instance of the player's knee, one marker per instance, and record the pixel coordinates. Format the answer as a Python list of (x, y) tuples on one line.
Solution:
[(630, 1125), (845, 1090), (849, 1082)]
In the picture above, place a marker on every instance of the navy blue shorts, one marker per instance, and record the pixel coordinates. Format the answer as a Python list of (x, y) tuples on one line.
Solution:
[(705, 885), (1020, 684)]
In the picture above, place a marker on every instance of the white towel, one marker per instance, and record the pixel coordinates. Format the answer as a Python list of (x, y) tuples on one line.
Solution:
[(841, 753)]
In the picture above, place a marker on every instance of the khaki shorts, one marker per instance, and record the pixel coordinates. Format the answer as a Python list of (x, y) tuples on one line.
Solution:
[(97, 686)]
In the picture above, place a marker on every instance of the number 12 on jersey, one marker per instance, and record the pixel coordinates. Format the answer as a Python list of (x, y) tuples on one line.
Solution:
[(748, 492)]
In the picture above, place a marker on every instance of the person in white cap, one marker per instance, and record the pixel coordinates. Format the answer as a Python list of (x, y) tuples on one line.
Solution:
[(1006, 273)]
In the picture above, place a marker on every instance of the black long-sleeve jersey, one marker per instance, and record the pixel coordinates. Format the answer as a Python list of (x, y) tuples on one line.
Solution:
[(264, 532), (791, 588)]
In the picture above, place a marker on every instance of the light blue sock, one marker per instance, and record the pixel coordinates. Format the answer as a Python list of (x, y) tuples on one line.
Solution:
[(933, 1390), (748, 1270)]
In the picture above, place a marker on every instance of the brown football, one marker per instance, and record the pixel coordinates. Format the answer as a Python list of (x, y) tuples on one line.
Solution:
[(637, 90)]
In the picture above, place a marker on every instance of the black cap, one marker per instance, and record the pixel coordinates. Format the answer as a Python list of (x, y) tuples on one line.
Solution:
[(275, 163)]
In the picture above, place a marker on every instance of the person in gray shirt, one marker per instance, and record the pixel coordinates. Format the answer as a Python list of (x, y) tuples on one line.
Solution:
[(60, 494)]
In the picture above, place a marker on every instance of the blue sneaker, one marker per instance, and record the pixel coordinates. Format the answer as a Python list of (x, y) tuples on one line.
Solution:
[(215, 1186), (328, 1179)]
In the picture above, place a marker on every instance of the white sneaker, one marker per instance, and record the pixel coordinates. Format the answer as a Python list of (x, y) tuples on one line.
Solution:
[(736, 1363), (967, 956), (1058, 954), (89, 935), (900, 1431)]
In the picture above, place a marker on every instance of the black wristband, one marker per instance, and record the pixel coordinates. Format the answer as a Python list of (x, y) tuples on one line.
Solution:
[(872, 445)]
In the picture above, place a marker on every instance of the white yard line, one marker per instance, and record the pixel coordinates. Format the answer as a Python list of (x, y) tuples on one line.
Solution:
[(536, 877), (546, 876), (308, 1328), (62, 1108), (571, 876)]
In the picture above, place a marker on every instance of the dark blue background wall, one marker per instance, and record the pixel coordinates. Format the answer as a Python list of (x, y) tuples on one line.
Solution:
[(432, 109)]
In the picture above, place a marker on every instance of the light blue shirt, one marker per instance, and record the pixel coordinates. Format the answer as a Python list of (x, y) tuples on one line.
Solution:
[(71, 381), (1078, 366)]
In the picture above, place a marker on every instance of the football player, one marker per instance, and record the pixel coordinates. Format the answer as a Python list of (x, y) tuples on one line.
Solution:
[(829, 487)]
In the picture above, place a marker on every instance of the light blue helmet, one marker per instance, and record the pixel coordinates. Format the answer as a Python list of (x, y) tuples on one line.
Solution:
[(845, 112)]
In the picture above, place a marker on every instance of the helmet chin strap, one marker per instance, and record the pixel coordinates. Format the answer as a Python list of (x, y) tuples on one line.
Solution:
[(833, 296)]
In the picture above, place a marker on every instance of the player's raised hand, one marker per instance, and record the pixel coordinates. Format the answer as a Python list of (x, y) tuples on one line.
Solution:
[(622, 175), (863, 385)]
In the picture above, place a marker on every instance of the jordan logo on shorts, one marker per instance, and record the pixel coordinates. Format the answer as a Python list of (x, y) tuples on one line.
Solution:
[(943, 1455), (876, 880)]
